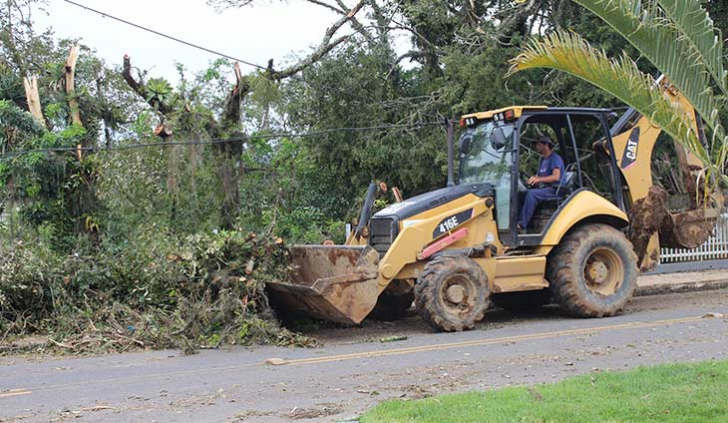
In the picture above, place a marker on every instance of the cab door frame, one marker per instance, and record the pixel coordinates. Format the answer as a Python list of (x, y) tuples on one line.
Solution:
[(511, 238)]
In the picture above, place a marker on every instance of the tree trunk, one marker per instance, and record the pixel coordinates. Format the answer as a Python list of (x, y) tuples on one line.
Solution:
[(173, 161), (230, 152), (231, 201)]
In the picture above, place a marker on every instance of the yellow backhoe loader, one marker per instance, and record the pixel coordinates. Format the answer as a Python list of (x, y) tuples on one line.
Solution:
[(457, 249)]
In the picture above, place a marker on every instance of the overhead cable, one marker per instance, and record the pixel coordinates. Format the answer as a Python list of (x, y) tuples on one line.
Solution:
[(216, 141), (106, 15)]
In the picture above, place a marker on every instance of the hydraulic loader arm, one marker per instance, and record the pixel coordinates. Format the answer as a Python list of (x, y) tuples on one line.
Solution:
[(652, 225)]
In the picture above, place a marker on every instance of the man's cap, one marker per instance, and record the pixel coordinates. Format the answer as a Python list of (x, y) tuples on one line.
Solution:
[(544, 139)]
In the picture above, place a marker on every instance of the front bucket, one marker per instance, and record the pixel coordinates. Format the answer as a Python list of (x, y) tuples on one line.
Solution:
[(337, 283)]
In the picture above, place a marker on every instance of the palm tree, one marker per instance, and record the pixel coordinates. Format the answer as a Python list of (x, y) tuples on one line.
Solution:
[(678, 38)]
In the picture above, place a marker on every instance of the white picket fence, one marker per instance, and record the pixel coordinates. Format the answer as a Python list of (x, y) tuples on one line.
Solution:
[(714, 249)]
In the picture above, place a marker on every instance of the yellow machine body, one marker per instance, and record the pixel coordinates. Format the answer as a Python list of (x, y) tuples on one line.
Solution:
[(342, 283)]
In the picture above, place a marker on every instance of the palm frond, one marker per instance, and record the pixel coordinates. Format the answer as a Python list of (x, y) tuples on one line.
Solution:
[(696, 27), (570, 53), (659, 43)]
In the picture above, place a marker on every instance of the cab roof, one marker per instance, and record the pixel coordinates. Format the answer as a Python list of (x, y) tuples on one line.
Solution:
[(518, 111)]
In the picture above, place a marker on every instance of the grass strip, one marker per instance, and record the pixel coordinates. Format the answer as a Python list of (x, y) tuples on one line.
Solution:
[(665, 393)]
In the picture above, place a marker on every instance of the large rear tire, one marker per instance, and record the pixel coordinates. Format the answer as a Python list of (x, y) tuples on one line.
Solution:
[(593, 271), (452, 293)]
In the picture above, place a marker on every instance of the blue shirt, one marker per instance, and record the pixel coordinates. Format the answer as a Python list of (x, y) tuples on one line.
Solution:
[(547, 165)]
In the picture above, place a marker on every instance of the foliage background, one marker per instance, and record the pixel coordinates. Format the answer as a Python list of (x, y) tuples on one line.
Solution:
[(118, 248)]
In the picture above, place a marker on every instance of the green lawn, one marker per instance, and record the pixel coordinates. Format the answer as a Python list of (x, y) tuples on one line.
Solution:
[(667, 393)]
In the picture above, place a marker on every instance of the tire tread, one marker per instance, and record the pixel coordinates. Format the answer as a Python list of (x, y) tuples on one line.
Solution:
[(426, 292), (564, 273)]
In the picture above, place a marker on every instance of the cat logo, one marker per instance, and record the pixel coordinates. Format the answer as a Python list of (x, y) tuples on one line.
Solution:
[(630, 151)]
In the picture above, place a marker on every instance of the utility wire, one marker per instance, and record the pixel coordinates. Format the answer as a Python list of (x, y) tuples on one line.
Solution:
[(214, 141), (106, 15)]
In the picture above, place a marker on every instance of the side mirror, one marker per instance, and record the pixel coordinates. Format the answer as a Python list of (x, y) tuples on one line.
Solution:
[(465, 141), (498, 139)]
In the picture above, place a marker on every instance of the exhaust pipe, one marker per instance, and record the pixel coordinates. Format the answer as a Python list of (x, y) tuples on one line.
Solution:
[(366, 211)]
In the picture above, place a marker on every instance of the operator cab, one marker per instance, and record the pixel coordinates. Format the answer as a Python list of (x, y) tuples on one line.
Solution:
[(496, 147)]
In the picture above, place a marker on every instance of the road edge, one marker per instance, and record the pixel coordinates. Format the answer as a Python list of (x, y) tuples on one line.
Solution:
[(659, 289)]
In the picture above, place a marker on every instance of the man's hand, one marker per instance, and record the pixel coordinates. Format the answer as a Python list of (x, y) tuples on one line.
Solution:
[(554, 177)]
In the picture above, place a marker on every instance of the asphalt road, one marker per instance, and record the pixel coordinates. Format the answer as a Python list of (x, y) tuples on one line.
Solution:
[(354, 371)]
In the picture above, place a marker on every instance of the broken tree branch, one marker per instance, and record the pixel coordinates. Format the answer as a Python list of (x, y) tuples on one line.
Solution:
[(140, 88), (344, 10), (69, 73), (239, 91), (355, 22), (327, 44), (126, 73), (31, 94)]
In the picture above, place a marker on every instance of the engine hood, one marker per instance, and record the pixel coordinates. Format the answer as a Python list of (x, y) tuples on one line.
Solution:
[(423, 202)]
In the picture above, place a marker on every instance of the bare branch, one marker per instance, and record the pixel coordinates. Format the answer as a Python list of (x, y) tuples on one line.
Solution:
[(327, 44), (514, 17), (382, 21), (141, 89), (413, 31), (330, 7), (355, 22), (409, 55)]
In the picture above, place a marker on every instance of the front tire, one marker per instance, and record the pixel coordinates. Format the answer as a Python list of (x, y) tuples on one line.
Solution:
[(593, 271), (452, 293)]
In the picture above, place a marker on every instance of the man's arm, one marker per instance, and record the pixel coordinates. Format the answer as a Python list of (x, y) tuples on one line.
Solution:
[(554, 177), (556, 164)]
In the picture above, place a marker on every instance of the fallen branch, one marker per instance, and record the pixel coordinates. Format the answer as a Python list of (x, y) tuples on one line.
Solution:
[(59, 344)]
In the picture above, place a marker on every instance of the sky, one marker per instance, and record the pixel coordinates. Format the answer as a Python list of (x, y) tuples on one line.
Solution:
[(270, 29)]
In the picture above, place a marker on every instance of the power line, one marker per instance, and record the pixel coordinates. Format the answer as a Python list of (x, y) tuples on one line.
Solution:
[(216, 141), (106, 15)]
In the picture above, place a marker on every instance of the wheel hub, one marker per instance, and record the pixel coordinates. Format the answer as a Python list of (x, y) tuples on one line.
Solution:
[(603, 271), (455, 294), (598, 272)]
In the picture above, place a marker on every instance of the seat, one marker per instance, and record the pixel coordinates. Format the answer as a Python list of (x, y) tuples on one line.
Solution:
[(568, 185), (546, 209)]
